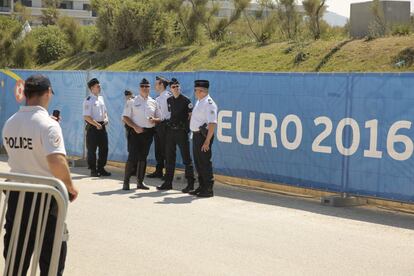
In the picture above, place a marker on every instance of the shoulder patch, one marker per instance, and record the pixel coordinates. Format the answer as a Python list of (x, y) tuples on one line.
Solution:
[(54, 138), (210, 101), (190, 105)]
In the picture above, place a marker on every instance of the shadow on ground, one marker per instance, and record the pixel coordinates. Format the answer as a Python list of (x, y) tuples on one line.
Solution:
[(365, 214)]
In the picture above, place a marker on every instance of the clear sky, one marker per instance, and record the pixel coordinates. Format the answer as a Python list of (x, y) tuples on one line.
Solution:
[(342, 6)]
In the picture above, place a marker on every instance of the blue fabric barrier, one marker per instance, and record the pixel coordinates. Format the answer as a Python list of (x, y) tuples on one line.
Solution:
[(335, 132)]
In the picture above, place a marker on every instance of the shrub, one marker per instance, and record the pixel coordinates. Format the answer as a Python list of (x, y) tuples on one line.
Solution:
[(9, 31), (51, 42), (72, 30), (23, 53), (405, 58), (401, 30)]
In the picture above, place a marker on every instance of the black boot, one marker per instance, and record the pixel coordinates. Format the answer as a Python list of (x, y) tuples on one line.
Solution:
[(130, 170), (103, 172), (167, 185), (156, 174), (190, 186), (94, 173), (198, 190), (208, 191), (142, 166)]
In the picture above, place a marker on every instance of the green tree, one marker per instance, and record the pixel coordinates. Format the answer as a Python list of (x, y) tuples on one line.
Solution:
[(218, 30), (315, 10), (133, 23), (182, 24), (289, 18), (21, 13), (262, 24), (52, 43), (50, 14), (10, 29), (72, 30), (378, 27), (23, 53)]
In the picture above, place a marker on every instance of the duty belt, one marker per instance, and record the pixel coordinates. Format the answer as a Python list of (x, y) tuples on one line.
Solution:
[(177, 126)]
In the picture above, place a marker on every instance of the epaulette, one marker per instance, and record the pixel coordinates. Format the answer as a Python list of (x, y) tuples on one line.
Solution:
[(88, 98), (210, 101)]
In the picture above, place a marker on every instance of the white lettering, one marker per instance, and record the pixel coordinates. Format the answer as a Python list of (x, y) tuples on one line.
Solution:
[(270, 130), (250, 138), (223, 125)]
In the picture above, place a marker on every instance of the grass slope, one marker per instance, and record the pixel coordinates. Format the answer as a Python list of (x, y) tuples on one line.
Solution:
[(324, 56)]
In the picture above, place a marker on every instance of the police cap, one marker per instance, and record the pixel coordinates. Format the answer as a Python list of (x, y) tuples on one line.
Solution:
[(144, 81), (36, 84), (164, 81), (127, 92), (202, 83), (174, 81)]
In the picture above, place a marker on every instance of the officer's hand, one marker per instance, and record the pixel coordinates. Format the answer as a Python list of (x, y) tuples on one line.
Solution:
[(138, 130), (106, 122), (205, 147), (99, 127), (57, 119), (73, 192)]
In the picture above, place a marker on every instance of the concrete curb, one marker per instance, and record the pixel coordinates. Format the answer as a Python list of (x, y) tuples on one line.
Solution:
[(293, 191)]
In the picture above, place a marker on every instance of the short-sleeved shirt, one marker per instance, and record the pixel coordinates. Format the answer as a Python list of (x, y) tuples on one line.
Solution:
[(179, 108), (29, 136), (139, 110), (204, 112), (162, 103), (94, 106)]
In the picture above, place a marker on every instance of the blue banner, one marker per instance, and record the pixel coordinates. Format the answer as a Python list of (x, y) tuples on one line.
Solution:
[(335, 132)]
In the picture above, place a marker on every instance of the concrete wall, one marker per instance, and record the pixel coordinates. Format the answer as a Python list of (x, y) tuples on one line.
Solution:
[(395, 12)]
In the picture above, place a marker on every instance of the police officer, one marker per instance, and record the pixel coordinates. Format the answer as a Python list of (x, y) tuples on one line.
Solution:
[(128, 130), (177, 134), (141, 114), (202, 124), (96, 118), (161, 84), (35, 145), (128, 96)]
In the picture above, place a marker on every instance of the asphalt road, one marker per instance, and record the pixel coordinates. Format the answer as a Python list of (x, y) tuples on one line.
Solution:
[(238, 232)]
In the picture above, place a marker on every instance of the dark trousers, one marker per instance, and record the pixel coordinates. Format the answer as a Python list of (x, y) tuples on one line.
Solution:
[(97, 139), (160, 146), (139, 146), (178, 138), (46, 251), (202, 161)]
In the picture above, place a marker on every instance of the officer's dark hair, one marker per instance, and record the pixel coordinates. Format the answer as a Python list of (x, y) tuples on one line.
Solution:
[(162, 80), (36, 85), (92, 82)]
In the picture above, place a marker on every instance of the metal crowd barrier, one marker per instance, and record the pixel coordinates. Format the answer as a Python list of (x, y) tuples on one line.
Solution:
[(43, 188)]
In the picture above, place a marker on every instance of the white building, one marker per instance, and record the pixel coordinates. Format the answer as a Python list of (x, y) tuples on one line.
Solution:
[(80, 10)]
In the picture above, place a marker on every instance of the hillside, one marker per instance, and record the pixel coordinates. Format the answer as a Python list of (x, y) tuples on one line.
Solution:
[(378, 55)]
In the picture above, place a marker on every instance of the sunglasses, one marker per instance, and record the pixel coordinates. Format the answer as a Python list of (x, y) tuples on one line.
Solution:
[(174, 86), (145, 86)]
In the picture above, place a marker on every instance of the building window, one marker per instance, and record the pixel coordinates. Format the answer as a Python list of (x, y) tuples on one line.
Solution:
[(86, 7), (27, 3), (66, 5), (4, 4)]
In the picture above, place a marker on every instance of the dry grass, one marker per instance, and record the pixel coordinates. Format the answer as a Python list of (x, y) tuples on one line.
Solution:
[(325, 56)]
